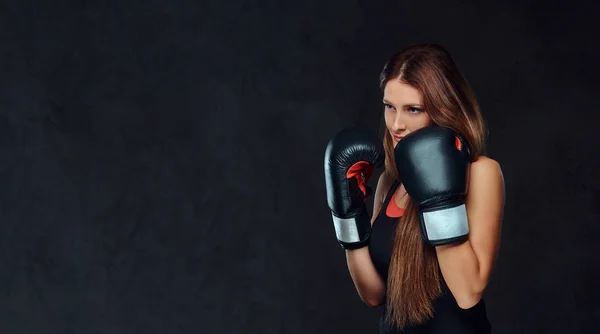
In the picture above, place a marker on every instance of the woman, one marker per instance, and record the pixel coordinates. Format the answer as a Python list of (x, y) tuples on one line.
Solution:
[(424, 287)]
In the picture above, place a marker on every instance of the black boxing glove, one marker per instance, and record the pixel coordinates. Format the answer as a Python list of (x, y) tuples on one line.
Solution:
[(350, 158), (433, 163)]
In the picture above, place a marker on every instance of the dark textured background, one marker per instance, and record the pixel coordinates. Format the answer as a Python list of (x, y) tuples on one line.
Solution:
[(161, 166)]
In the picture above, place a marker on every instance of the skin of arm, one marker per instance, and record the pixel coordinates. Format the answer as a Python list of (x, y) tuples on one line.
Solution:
[(467, 267), (369, 284)]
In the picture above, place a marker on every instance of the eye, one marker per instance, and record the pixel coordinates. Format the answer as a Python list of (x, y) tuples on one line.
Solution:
[(388, 106), (413, 110)]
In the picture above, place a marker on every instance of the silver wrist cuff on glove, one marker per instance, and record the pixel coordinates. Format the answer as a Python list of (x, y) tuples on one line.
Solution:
[(346, 229), (446, 223)]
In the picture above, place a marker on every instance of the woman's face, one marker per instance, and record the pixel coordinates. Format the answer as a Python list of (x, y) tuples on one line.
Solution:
[(404, 112)]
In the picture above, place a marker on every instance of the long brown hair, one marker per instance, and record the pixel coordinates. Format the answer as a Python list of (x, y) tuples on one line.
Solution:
[(414, 279)]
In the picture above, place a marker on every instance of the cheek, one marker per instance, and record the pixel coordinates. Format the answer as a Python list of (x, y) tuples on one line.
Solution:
[(426, 120), (419, 122), (388, 118)]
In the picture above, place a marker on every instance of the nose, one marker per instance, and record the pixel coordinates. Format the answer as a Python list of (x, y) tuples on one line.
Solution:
[(399, 124)]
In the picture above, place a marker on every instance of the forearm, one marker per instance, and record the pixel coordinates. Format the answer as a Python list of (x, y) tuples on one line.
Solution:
[(368, 283), (461, 270)]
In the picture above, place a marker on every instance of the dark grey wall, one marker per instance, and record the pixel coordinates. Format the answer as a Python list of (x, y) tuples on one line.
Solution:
[(161, 163)]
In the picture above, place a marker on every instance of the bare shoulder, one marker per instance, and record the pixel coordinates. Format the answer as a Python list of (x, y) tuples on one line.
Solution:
[(485, 161), (486, 184), (486, 170), (383, 185)]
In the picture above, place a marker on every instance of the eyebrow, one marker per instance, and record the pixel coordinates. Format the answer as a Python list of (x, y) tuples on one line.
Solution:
[(405, 105)]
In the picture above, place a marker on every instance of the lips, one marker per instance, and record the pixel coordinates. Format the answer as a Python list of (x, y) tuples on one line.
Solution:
[(398, 138)]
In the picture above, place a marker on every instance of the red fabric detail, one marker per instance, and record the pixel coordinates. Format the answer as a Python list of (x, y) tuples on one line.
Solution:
[(361, 171), (457, 143), (392, 210)]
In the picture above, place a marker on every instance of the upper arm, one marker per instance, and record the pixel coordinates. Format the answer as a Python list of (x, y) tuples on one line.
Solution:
[(485, 207), (383, 184)]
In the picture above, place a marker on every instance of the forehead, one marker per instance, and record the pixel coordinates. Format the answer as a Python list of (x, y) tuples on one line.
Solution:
[(399, 92)]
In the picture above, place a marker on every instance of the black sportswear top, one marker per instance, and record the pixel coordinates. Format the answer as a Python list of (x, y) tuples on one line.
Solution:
[(448, 317)]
